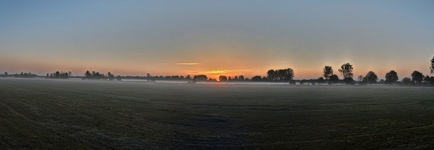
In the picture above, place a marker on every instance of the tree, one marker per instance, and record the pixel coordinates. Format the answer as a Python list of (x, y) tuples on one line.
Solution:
[(371, 77), (188, 77), (6, 74), (347, 70), (287, 74), (241, 78), (328, 71), (417, 77), (407, 81), (431, 81), (272, 75), (281, 74), (320, 80), (349, 81), (432, 65), (256, 78), (223, 78), (200, 78), (391, 77), (334, 78), (57, 74), (236, 78), (360, 77), (110, 76), (426, 80), (88, 75)]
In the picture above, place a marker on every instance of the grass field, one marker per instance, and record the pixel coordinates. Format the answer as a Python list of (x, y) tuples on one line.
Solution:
[(47, 114)]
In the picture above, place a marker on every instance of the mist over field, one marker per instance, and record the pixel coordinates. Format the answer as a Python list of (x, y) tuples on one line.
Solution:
[(50, 114)]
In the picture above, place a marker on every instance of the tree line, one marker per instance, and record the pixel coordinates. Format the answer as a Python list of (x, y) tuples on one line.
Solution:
[(278, 75), (100, 76), (19, 75), (58, 75)]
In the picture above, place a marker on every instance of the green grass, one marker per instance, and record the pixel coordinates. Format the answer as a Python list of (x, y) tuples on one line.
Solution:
[(52, 114)]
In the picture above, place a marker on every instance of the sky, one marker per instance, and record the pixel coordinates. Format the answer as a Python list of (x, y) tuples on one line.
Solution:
[(224, 37)]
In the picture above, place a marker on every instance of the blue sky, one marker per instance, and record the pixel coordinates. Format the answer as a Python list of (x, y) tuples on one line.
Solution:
[(235, 37)]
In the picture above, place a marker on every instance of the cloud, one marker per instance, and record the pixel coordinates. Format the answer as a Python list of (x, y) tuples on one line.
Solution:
[(187, 64), (217, 71)]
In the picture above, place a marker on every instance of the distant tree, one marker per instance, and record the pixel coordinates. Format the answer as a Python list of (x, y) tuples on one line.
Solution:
[(321, 80), (334, 78), (417, 77), (229, 79), (110, 76), (236, 78), (57, 74), (256, 78), (88, 74), (346, 70), (371, 77), (360, 77), (432, 65), (6, 74), (25, 75), (427, 80), (188, 77), (285, 74), (241, 78), (328, 71), (119, 78), (281, 74), (407, 81), (200, 78), (349, 81), (391, 77), (271, 75), (288, 74), (223, 78), (431, 81), (149, 78)]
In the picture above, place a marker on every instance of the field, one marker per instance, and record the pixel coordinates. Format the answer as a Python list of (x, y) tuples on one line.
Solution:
[(75, 114)]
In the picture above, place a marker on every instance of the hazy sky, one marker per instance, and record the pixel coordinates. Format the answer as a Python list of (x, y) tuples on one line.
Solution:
[(231, 37)]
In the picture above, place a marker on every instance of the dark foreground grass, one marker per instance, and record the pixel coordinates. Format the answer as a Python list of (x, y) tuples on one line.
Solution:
[(51, 114)]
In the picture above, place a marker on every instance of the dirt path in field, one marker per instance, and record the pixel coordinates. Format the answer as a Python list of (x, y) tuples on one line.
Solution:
[(13, 111)]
